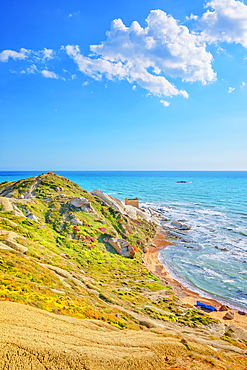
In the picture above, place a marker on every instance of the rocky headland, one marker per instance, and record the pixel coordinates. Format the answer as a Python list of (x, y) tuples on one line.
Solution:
[(81, 287)]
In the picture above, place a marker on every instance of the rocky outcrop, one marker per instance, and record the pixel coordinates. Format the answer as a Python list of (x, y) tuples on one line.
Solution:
[(18, 212), (11, 223), (178, 225), (10, 241), (110, 201), (5, 247), (229, 315), (82, 203), (33, 217), (223, 308), (16, 246), (6, 205), (58, 271), (130, 211), (184, 227), (121, 246), (76, 221)]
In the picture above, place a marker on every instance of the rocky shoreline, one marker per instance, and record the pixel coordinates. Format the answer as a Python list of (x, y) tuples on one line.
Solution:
[(228, 316)]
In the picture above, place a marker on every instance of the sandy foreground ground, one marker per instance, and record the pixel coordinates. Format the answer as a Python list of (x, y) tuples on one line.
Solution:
[(186, 296), (33, 339)]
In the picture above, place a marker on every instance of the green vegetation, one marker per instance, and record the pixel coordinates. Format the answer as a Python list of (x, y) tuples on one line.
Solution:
[(93, 281)]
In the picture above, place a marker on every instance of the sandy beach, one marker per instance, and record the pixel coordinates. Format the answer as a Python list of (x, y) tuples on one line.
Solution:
[(185, 295)]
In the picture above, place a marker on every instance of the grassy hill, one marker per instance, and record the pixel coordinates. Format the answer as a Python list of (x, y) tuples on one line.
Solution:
[(56, 257)]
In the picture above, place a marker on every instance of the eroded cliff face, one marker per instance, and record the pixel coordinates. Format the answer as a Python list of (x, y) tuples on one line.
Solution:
[(73, 253)]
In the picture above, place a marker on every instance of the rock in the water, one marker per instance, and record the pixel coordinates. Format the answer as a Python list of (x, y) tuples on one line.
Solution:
[(184, 227), (164, 219), (176, 224), (122, 247), (223, 308), (76, 221), (82, 203), (229, 315)]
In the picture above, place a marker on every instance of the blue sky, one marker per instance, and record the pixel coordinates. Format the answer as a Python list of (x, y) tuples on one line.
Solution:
[(123, 85)]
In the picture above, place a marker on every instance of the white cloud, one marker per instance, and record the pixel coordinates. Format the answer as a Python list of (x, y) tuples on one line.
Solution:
[(6, 54), (231, 89), (32, 69), (243, 84), (227, 21), (85, 83), (49, 74), (134, 87), (48, 54), (219, 49), (73, 77), (165, 103), (74, 14), (192, 17), (146, 55)]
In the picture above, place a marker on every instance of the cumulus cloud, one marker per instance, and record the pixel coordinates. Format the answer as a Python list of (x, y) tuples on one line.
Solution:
[(192, 17), (226, 21), (165, 103), (243, 84), (152, 56), (49, 74), (148, 56), (48, 54), (6, 54), (231, 89)]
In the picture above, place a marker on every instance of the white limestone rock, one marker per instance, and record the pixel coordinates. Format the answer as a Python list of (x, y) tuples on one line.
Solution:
[(33, 218), (110, 201), (76, 221), (122, 247), (82, 203), (6, 204)]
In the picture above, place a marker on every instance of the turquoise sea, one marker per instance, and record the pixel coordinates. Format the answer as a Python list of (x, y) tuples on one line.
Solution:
[(212, 258)]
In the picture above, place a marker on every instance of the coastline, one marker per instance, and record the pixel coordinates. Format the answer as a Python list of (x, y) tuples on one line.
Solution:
[(185, 295)]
